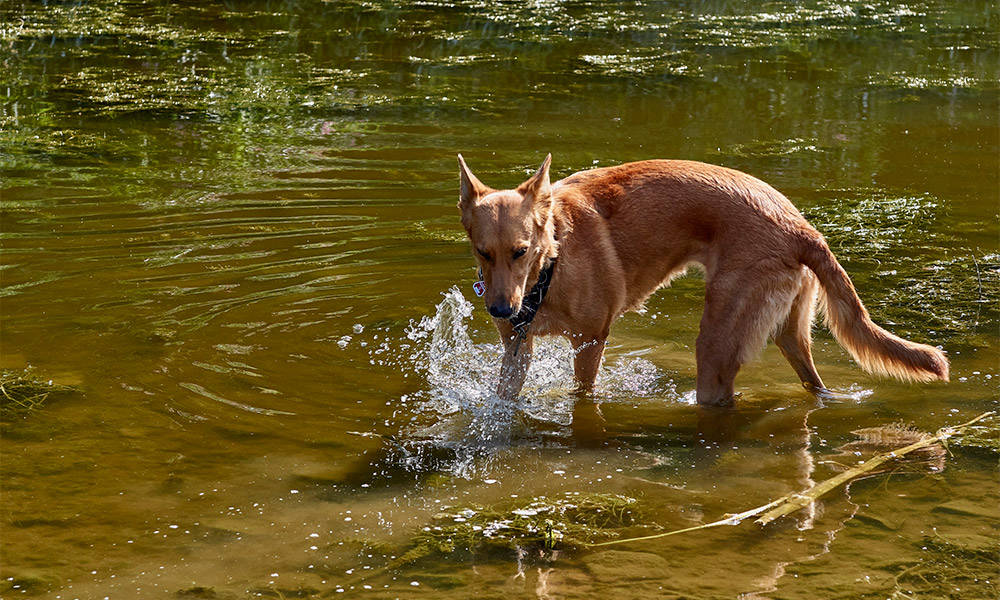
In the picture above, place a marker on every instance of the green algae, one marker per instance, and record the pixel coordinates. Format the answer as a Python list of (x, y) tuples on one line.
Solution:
[(537, 527), (979, 438), (23, 392), (946, 568), (762, 148), (945, 294)]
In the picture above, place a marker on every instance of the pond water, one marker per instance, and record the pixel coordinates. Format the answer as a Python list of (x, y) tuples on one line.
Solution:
[(232, 227)]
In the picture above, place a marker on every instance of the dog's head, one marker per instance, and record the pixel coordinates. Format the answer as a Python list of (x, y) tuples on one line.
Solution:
[(512, 233)]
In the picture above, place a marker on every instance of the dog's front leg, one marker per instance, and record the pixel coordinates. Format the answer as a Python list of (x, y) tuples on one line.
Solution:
[(587, 361), (514, 367)]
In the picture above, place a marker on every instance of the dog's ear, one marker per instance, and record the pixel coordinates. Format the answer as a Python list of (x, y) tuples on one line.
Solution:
[(538, 190), (471, 188)]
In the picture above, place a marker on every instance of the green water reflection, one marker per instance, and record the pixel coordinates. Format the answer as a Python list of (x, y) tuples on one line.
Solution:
[(224, 221)]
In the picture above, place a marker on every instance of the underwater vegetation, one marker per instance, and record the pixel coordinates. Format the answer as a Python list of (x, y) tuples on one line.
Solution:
[(23, 392)]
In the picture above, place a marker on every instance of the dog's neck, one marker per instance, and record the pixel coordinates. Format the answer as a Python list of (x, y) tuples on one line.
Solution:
[(559, 222), (521, 322), (542, 274)]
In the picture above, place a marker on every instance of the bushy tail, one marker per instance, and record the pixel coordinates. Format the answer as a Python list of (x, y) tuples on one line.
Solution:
[(875, 349)]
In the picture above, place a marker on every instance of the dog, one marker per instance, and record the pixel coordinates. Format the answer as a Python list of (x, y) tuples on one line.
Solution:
[(598, 243)]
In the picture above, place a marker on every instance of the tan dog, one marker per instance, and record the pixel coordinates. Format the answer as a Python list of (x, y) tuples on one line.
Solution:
[(620, 233)]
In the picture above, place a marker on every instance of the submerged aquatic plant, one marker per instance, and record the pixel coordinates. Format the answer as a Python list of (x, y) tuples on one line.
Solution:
[(984, 437), (535, 528), (20, 393), (886, 438), (947, 569)]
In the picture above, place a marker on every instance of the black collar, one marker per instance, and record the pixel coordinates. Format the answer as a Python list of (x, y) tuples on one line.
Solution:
[(533, 300)]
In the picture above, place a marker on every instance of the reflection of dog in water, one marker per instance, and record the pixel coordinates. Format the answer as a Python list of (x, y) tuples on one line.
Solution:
[(571, 257)]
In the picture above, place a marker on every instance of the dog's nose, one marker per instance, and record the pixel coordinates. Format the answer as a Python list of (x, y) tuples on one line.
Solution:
[(501, 310)]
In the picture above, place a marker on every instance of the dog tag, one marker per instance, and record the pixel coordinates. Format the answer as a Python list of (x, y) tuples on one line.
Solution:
[(479, 288)]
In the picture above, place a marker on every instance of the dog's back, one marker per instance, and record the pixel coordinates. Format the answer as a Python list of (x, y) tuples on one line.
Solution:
[(753, 244), (665, 214)]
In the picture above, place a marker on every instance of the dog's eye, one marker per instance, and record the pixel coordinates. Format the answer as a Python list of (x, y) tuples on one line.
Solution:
[(519, 253), (484, 254)]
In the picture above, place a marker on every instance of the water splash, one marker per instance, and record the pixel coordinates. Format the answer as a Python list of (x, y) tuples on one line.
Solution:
[(458, 411), (452, 364)]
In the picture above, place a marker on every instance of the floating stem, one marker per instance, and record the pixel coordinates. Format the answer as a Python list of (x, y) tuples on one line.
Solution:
[(798, 500)]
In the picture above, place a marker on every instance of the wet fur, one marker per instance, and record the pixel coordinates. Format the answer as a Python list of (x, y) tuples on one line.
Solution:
[(621, 233)]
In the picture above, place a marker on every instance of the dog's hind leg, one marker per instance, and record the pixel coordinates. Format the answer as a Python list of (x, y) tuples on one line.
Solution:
[(718, 362), (794, 336), (741, 310)]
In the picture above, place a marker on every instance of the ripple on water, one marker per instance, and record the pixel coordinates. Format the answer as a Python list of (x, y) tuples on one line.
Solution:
[(201, 391)]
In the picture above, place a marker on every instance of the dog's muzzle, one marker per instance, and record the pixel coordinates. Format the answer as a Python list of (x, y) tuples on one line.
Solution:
[(501, 310)]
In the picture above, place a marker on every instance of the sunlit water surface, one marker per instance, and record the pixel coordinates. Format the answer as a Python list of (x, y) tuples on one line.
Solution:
[(232, 226)]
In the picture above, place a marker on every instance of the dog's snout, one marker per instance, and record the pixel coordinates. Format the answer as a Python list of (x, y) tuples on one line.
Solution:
[(501, 310)]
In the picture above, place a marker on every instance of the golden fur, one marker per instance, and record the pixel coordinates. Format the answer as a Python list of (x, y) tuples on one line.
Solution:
[(622, 232)]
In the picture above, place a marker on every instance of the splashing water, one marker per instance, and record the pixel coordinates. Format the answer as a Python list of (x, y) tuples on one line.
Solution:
[(459, 412), (451, 362), (463, 376), (460, 409)]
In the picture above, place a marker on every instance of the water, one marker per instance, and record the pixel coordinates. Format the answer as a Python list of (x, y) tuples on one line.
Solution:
[(233, 227)]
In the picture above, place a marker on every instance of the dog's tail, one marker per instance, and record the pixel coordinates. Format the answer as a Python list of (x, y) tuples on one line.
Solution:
[(875, 349)]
